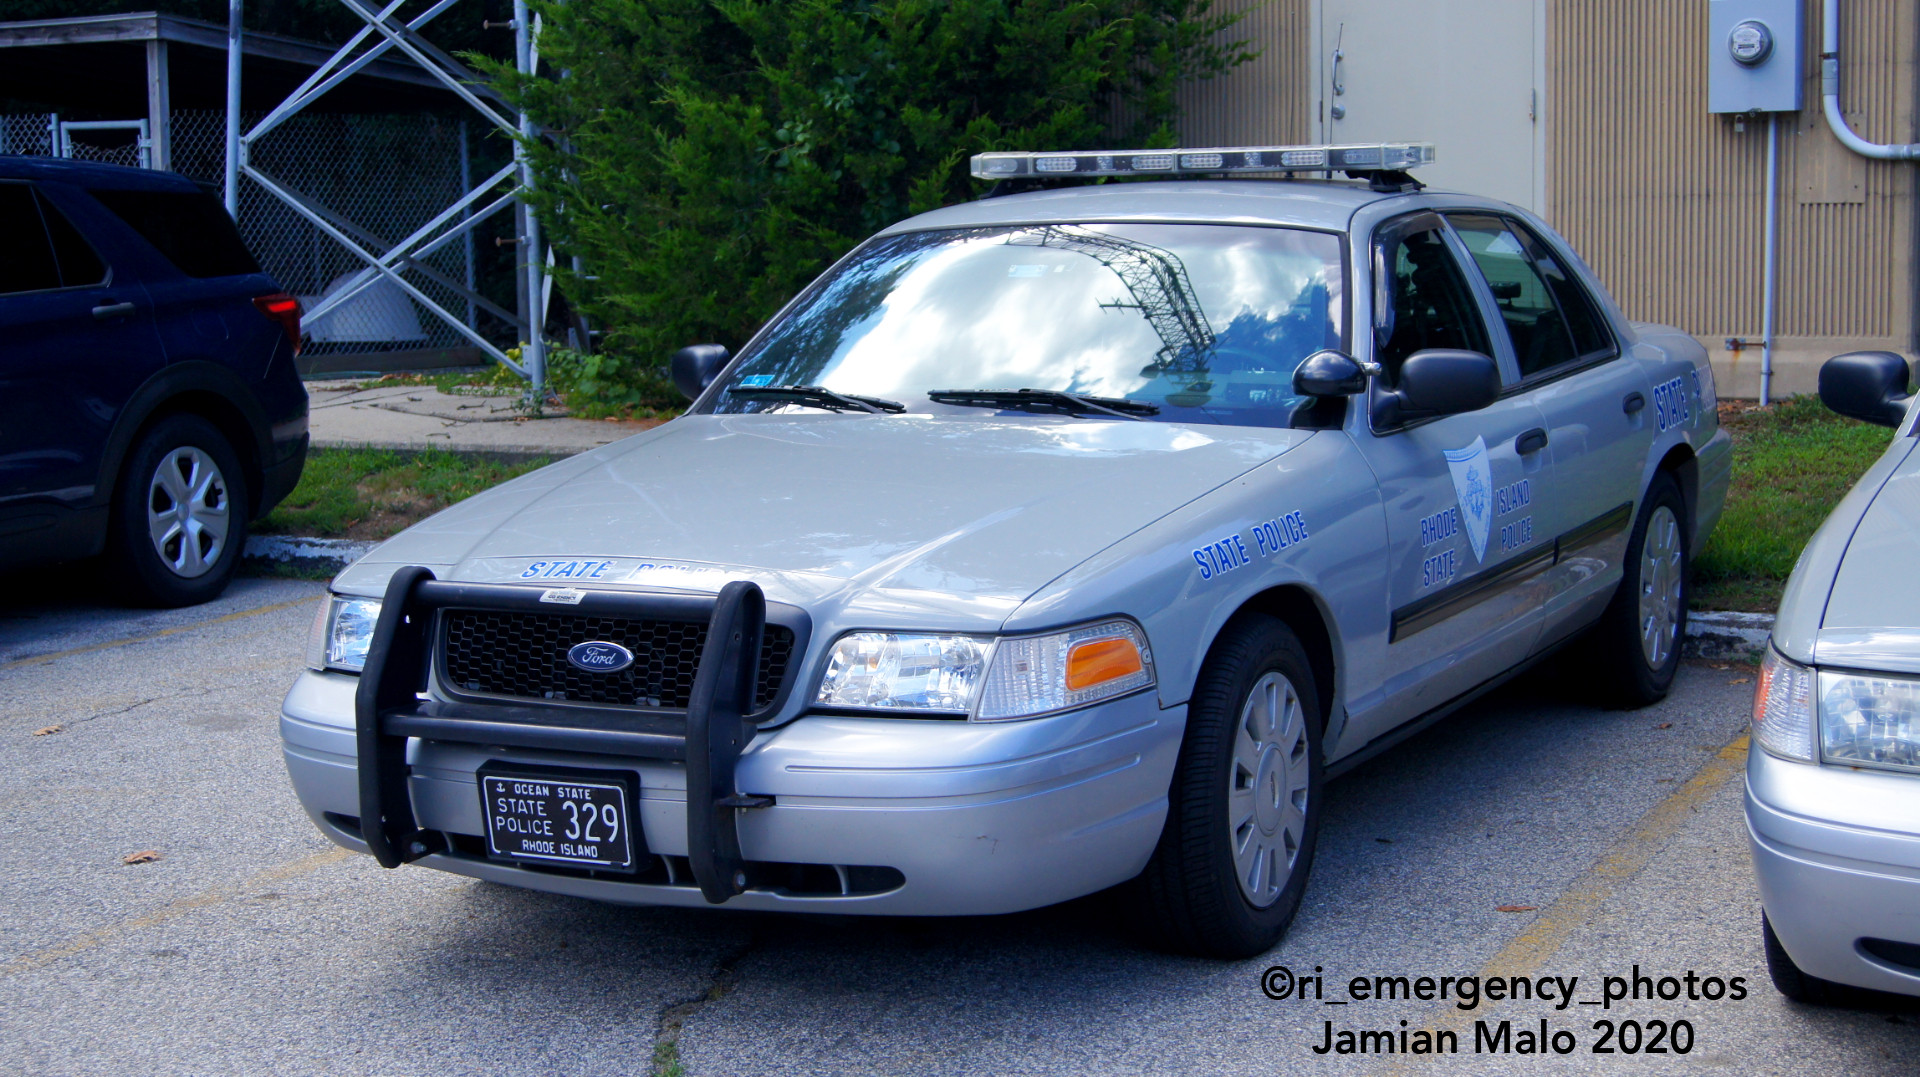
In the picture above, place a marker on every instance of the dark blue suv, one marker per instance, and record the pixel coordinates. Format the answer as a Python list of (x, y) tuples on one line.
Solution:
[(149, 405)]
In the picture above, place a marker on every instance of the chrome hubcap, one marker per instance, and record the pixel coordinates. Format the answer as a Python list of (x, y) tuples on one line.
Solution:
[(1661, 581), (187, 512), (1267, 789)]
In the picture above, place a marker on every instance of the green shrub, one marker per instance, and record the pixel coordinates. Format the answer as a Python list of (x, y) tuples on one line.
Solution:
[(708, 157)]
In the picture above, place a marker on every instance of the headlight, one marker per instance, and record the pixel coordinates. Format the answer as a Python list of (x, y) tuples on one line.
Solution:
[(983, 678), (1038, 675), (899, 671), (1870, 721), (342, 632), (1783, 708)]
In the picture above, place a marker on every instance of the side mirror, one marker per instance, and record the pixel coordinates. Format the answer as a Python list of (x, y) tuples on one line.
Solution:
[(1869, 386), (696, 365), (1329, 373), (1440, 381)]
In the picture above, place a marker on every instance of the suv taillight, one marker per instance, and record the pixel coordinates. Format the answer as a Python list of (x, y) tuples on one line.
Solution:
[(284, 309)]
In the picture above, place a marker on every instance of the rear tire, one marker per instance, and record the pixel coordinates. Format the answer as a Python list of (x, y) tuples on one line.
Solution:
[(1243, 809), (179, 516), (1638, 638)]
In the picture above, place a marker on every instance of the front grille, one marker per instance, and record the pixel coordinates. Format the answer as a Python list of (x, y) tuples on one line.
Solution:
[(524, 655)]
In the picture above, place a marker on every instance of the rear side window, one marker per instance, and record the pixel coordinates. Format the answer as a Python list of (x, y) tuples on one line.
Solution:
[(26, 258), (79, 265), (1549, 317), (189, 227)]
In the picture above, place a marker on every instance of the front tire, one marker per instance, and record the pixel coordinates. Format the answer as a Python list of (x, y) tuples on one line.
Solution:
[(1243, 809), (179, 514), (1790, 981), (1639, 635)]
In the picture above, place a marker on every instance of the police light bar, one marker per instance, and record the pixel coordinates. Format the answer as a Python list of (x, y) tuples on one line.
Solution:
[(1370, 157)]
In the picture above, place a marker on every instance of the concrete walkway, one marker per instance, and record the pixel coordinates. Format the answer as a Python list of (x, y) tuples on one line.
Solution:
[(413, 417)]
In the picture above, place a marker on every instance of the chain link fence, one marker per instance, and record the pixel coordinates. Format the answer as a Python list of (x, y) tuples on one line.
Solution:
[(377, 178)]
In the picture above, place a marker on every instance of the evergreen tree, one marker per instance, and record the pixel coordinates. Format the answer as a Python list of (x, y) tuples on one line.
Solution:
[(706, 158)]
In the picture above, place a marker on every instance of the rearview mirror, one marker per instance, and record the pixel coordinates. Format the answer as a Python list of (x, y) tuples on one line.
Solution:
[(1329, 373), (1869, 386), (1439, 381), (696, 365)]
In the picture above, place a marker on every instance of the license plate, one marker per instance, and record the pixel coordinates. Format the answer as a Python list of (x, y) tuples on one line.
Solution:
[(583, 819)]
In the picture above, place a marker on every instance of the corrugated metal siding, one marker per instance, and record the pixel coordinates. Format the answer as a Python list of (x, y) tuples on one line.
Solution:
[(1667, 200), (1264, 101)]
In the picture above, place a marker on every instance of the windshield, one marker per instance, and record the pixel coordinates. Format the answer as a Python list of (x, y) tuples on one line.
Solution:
[(1206, 323)]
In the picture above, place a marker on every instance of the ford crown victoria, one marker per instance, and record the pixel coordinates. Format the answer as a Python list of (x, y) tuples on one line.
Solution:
[(1068, 538)]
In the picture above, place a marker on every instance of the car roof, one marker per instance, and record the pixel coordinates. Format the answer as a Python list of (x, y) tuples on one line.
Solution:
[(91, 174), (1321, 204)]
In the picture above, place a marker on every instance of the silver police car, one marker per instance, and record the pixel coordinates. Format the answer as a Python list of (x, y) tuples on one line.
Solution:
[(1068, 538), (1833, 796)]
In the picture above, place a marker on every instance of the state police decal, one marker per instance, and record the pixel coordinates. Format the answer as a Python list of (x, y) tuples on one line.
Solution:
[(1473, 485)]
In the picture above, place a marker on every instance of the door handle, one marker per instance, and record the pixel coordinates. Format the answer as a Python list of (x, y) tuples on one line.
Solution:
[(1530, 442), (112, 310), (1634, 402)]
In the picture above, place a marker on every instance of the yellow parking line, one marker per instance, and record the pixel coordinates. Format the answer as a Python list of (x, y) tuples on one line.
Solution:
[(278, 873), (1587, 895), (37, 659)]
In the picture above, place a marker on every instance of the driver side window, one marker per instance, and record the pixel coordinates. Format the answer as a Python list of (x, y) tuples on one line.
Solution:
[(1424, 297)]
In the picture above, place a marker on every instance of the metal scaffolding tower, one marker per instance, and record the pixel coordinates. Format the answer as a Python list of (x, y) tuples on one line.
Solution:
[(1157, 281), (384, 32)]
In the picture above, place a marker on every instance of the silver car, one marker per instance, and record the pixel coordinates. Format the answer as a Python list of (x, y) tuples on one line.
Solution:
[(1067, 538), (1833, 799)]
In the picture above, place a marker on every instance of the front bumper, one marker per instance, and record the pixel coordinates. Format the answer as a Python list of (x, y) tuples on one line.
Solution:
[(1838, 861), (978, 817)]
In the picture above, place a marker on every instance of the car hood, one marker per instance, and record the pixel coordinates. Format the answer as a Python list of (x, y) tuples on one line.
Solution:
[(1872, 617), (958, 517)]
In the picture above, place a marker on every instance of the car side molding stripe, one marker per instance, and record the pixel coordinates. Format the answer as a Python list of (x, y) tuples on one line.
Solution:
[(1457, 598)]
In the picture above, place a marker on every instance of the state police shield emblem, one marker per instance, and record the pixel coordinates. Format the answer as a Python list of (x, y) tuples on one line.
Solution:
[(1473, 485)]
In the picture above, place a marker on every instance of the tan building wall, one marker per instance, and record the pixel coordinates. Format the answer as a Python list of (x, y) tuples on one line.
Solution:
[(1665, 199)]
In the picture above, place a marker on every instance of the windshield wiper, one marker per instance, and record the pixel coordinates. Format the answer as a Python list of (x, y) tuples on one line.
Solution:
[(1050, 399), (819, 397)]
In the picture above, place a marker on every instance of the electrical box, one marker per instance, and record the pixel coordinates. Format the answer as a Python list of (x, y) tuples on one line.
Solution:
[(1756, 59)]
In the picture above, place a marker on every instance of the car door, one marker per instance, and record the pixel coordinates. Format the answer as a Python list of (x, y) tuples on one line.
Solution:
[(69, 327), (1595, 401), (1464, 600)]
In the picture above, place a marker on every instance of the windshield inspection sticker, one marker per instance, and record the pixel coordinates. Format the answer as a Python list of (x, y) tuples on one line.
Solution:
[(1472, 483), (1670, 404)]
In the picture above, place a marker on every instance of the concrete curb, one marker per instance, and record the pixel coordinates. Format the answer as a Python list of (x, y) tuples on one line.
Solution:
[(1739, 636), (1714, 635), (515, 454), (311, 554)]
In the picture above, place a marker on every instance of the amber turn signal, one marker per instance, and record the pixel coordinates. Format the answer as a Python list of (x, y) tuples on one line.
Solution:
[(1097, 661)]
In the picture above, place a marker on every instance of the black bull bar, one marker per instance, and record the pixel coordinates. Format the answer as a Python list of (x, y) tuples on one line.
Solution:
[(708, 736)]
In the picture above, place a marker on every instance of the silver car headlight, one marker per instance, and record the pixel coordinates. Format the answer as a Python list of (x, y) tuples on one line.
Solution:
[(904, 672), (987, 679), (342, 632), (1783, 708), (1870, 720)]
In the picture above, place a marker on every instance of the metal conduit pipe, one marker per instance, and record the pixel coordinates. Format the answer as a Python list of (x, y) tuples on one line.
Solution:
[(1830, 95)]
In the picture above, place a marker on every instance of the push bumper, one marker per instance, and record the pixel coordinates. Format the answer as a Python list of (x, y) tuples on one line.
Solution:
[(1838, 891), (971, 818)]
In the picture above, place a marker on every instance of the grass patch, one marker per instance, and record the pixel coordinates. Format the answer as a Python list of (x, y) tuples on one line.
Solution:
[(371, 494), (1791, 465)]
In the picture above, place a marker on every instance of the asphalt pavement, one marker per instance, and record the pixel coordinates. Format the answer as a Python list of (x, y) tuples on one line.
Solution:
[(251, 945)]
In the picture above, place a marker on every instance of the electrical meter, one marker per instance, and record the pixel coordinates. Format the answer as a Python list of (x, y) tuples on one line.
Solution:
[(1756, 61)]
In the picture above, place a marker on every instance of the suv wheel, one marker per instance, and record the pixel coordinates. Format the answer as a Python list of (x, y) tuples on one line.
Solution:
[(179, 514), (1243, 810), (1640, 634)]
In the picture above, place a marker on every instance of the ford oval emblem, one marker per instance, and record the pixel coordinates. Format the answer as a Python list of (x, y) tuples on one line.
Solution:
[(599, 656)]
